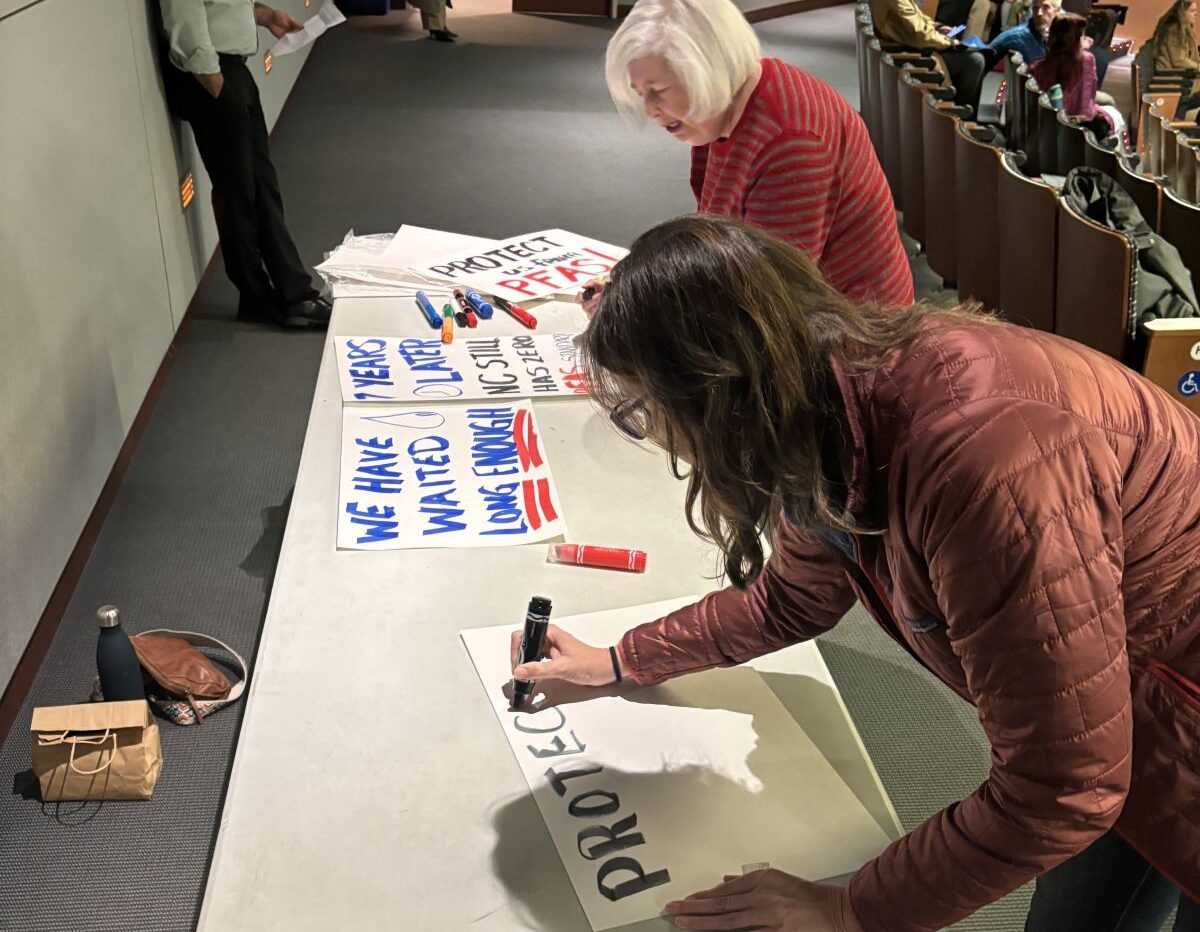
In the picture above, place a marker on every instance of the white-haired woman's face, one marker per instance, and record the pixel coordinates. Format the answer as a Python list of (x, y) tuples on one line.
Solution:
[(665, 101)]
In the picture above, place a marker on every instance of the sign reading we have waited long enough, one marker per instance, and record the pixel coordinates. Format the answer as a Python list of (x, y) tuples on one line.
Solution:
[(529, 266), (426, 369), (450, 476)]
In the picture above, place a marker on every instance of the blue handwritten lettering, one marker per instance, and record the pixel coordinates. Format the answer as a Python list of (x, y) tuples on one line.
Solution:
[(377, 519), (377, 467)]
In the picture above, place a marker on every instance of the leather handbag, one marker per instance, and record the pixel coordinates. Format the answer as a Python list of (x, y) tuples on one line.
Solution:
[(190, 685)]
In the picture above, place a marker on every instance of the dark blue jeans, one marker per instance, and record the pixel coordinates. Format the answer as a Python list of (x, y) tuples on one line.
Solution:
[(1108, 888)]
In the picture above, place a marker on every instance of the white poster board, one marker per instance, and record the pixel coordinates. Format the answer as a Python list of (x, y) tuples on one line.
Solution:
[(424, 369), (522, 268), (651, 794), (449, 476)]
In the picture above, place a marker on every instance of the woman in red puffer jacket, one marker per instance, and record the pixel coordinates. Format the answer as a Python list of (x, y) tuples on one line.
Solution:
[(1019, 512)]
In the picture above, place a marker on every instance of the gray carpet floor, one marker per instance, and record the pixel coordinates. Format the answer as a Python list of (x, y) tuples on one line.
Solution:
[(510, 130)]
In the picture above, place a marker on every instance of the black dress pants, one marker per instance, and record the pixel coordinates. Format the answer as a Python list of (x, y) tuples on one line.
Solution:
[(1108, 887), (231, 134), (966, 67)]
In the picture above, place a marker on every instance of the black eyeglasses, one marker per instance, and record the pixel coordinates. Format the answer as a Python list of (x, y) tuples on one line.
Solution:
[(631, 418)]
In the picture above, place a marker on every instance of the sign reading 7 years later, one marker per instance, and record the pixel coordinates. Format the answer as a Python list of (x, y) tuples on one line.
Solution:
[(426, 369)]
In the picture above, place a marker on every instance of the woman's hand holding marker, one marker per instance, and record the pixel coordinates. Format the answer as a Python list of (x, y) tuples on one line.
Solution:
[(569, 660), (590, 296)]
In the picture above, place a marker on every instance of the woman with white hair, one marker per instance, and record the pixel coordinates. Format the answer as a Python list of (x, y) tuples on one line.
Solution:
[(771, 145)]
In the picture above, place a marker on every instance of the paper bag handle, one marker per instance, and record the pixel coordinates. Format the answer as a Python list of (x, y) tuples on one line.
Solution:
[(80, 739)]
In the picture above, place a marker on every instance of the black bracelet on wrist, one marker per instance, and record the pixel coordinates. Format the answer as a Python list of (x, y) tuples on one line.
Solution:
[(612, 653)]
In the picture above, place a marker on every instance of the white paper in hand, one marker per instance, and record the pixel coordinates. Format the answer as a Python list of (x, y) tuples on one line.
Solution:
[(327, 17)]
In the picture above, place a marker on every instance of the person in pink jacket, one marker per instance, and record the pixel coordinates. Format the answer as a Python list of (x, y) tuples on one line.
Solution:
[(1018, 512)]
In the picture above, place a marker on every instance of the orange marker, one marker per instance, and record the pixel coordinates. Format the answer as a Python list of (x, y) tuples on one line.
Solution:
[(447, 324)]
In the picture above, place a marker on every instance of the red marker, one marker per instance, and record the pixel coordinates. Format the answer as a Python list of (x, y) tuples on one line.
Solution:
[(516, 311), (466, 308), (612, 558)]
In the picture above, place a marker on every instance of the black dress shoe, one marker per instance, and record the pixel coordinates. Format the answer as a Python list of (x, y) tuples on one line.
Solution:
[(309, 314), (442, 35)]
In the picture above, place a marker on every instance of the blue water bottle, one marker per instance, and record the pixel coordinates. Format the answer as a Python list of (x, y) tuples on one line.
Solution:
[(116, 661)]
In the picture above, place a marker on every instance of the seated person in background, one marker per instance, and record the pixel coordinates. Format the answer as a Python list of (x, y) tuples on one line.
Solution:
[(1175, 38), (1069, 65), (902, 22), (1028, 38)]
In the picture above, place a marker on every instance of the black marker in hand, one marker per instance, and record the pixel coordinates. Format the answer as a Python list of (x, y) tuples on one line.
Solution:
[(537, 620)]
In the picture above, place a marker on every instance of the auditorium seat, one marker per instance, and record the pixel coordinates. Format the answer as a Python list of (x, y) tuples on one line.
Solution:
[(1047, 137), (891, 66), (874, 115), (1145, 191), (1094, 288), (1014, 101), (1070, 148), (938, 120), (1098, 156), (1027, 245), (976, 176), (1032, 113), (1171, 362), (1181, 228), (1182, 173), (912, 150), (863, 33)]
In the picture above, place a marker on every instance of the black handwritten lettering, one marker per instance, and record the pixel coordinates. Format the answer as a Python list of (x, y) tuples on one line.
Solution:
[(615, 838), (636, 884), (562, 720), (558, 748), (580, 810), (558, 778)]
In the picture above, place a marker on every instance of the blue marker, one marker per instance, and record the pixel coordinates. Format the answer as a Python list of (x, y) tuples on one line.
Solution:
[(480, 303), (434, 318)]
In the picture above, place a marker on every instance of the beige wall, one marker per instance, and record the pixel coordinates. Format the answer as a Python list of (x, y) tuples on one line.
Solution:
[(98, 262)]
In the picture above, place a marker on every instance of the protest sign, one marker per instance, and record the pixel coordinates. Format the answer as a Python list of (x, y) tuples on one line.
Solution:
[(450, 476), (424, 369), (653, 793), (524, 267)]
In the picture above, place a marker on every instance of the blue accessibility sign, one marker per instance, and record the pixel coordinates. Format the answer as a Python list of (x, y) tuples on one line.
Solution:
[(1189, 384)]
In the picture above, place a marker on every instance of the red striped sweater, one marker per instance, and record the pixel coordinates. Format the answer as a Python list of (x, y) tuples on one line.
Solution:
[(799, 164)]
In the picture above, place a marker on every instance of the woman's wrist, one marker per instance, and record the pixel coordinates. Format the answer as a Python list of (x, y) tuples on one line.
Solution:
[(617, 669), (844, 917)]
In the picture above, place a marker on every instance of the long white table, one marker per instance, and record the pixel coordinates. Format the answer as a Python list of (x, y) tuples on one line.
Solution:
[(372, 787)]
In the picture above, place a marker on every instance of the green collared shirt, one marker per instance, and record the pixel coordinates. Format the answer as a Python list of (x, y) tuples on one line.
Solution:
[(197, 30)]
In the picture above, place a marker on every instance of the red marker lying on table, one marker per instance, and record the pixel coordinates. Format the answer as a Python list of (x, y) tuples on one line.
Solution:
[(516, 311), (612, 558)]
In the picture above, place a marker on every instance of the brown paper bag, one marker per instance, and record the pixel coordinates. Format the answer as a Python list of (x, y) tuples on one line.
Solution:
[(99, 750)]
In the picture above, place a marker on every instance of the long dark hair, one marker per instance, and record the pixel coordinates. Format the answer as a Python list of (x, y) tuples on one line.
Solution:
[(726, 334), (1174, 21), (1063, 63)]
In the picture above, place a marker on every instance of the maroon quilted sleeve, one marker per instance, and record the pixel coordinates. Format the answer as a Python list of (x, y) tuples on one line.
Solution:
[(1016, 507), (801, 592)]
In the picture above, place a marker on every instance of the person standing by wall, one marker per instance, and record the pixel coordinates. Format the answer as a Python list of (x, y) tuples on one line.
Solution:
[(208, 85)]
